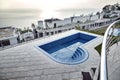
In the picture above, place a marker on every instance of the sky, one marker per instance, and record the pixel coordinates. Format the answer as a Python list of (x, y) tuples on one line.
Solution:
[(50, 5), (22, 13)]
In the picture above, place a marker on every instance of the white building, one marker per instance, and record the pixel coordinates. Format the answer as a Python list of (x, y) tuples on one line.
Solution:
[(91, 22), (27, 36), (78, 19), (54, 22), (8, 37)]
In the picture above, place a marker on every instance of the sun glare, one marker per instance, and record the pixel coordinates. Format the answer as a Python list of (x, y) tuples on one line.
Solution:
[(49, 14)]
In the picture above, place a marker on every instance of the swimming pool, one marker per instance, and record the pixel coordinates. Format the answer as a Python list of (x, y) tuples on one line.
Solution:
[(68, 50)]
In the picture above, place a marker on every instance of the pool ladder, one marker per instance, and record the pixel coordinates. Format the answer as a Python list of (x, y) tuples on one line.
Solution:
[(77, 53)]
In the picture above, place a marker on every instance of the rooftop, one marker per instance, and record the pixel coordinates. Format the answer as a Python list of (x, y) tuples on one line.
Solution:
[(25, 62), (6, 32)]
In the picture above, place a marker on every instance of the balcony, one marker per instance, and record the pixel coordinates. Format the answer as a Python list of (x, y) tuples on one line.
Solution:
[(110, 56)]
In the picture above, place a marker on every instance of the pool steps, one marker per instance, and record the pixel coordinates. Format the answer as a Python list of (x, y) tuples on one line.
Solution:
[(77, 54)]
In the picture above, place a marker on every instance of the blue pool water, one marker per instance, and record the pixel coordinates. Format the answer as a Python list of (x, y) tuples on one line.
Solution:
[(67, 50)]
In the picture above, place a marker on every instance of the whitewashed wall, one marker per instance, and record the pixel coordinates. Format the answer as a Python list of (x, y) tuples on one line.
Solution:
[(13, 41), (40, 24), (95, 17)]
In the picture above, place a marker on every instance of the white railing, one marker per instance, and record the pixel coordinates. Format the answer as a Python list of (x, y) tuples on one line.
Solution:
[(108, 40)]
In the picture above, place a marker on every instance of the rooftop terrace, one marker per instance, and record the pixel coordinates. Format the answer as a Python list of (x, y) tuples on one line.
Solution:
[(25, 62)]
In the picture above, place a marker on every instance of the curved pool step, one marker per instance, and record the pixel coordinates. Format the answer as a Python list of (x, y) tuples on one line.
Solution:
[(78, 53), (81, 50), (74, 56)]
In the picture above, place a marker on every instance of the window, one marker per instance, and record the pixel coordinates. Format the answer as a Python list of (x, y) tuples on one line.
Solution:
[(54, 25), (40, 34)]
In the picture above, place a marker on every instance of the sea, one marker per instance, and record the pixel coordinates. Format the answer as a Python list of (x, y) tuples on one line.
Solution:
[(24, 18)]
